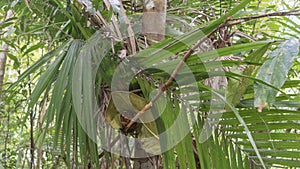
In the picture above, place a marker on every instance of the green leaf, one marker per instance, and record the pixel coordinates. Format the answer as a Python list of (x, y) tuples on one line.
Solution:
[(167, 119), (45, 80), (14, 58), (185, 147), (242, 84), (272, 132), (5, 24), (32, 48), (37, 65), (61, 97), (240, 119), (274, 71), (83, 81)]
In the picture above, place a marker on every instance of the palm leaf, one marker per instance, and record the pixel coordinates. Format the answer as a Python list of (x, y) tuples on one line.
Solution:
[(272, 132)]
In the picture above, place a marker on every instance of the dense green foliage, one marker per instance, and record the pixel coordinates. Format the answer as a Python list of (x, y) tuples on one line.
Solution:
[(66, 59)]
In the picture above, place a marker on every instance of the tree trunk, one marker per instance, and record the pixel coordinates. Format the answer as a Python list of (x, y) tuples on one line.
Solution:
[(154, 19), (153, 27), (3, 54), (3, 57)]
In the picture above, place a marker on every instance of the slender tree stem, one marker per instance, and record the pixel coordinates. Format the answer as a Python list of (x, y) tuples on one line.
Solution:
[(32, 117), (236, 21)]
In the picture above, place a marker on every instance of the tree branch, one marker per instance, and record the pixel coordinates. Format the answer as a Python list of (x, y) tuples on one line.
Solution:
[(170, 80), (191, 51), (236, 21)]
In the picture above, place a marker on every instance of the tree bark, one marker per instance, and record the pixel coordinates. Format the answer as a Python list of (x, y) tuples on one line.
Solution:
[(3, 57), (3, 54), (154, 19)]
